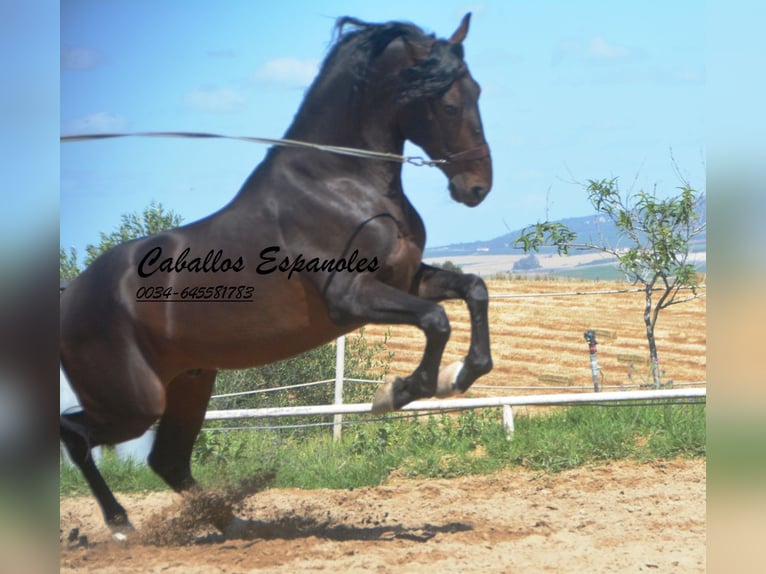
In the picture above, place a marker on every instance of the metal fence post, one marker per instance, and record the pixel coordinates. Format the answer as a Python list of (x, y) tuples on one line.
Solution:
[(340, 359), (590, 337)]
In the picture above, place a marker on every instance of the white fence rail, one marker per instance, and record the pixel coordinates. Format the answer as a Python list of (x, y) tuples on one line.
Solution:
[(459, 404), (506, 403)]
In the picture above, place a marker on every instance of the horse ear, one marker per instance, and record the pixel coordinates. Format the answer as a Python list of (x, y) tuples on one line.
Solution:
[(462, 30)]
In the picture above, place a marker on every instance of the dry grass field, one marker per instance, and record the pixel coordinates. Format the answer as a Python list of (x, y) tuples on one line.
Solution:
[(538, 342)]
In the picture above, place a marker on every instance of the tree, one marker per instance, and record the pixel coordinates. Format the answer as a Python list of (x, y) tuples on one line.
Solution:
[(69, 268), (658, 234), (449, 266), (527, 263), (154, 219)]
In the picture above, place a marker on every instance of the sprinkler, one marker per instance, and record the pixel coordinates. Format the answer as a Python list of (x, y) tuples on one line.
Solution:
[(590, 336)]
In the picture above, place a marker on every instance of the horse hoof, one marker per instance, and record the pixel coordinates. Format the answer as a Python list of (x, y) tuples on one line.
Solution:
[(384, 399), (446, 383), (122, 532)]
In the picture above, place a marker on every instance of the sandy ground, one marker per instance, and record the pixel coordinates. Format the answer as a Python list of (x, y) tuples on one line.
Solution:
[(621, 517)]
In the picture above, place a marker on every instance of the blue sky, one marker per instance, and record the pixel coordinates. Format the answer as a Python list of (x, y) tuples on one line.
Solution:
[(571, 91)]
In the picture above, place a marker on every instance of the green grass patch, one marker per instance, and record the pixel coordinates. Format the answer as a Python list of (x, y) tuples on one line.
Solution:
[(121, 475), (445, 445), (592, 272), (572, 437)]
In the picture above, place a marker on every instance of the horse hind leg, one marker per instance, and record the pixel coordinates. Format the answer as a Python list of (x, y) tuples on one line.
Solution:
[(75, 434), (187, 397), (186, 401), (115, 413)]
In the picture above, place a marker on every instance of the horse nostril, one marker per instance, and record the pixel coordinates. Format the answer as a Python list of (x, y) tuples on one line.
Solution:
[(478, 192)]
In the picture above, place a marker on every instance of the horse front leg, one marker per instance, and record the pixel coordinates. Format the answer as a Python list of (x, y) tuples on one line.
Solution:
[(437, 284), (364, 302)]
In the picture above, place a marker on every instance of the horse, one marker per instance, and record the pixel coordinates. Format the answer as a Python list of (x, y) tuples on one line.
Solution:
[(314, 245)]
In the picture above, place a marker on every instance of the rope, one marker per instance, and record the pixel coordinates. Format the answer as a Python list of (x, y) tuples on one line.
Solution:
[(341, 150), (271, 390), (576, 293), (287, 387), (573, 388)]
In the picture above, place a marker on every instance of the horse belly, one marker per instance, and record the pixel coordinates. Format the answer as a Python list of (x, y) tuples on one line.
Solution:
[(283, 319)]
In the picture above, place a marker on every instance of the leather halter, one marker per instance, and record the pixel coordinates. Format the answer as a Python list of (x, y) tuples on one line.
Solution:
[(474, 153)]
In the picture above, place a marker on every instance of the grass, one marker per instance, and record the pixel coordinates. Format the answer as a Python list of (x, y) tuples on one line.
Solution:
[(593, 272), (585, 435), (471, 442)]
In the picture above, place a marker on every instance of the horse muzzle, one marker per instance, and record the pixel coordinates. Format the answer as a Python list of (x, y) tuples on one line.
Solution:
[(470, 195), (471, 182)]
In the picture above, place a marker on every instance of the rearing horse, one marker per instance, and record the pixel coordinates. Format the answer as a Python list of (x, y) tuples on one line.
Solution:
[(313, 246)]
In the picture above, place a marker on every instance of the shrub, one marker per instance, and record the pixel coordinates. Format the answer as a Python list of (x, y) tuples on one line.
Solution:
[(527, 263), (362, 360)]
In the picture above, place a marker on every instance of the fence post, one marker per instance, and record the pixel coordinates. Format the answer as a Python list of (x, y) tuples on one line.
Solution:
[(508, 421), (340, 359), (590, 337)]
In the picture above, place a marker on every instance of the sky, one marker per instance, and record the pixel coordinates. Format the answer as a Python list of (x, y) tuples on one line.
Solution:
[(571, 91)]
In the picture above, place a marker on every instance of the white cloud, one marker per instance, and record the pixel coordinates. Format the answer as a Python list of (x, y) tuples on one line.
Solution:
[(78, 58), (596, 49), (215, 100), (600, 49), (99, 122), (288, 72)]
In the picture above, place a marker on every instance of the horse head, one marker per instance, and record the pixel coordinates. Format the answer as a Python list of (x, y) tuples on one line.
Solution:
[(392, 82), (440, 113)]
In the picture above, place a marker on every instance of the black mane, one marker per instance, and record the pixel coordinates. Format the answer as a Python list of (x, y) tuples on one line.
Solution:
[(358, 47)]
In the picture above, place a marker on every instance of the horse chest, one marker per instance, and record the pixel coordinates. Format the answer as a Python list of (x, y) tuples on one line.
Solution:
[(402, 263)]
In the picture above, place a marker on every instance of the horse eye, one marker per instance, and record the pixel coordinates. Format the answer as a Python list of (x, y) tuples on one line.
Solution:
[(451, 110)]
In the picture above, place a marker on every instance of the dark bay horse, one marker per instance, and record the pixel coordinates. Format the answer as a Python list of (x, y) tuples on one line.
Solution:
[(313, 246)]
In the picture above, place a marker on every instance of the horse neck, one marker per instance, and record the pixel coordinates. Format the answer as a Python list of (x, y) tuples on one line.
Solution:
[(335, 126), (324, 119), (335, 113)]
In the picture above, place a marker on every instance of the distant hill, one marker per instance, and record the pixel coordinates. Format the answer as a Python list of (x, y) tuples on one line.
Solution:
[(590, 228)]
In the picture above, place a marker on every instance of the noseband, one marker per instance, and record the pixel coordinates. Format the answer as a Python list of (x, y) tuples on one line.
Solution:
[(474, 153)]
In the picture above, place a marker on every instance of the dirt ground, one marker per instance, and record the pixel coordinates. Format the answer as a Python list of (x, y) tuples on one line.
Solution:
[(621, 517)]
